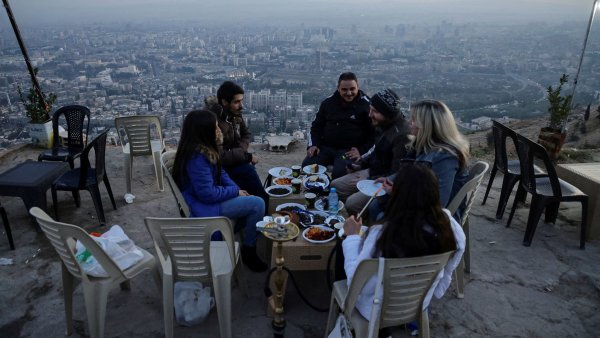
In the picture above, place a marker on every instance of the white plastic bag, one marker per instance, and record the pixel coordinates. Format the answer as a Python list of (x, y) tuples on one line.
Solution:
[(192, 303), (117, 245), (341, 328)]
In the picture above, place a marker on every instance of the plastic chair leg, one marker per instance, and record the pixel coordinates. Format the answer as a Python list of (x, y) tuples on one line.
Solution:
[(158, 170), (489, 185), (424, 324), (128, 171), (520, 192), (584, 220), (508, 183), (96, 296), (109, 190), (535, 211), (333, 312), (167, 289), (68, 286), (97, 199), (222, 286), (459, 275), (467, 254), (7, 228), (55, 203), (551, 212)]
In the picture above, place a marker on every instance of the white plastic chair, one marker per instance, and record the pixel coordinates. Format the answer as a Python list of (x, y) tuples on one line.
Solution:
[(143, 137), (167, 159), (406, 282), (191, 256), (468, 191), (63, 237)]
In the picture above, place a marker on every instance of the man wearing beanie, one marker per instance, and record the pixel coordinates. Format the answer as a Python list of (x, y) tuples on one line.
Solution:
[(341, 130), (383, 159)]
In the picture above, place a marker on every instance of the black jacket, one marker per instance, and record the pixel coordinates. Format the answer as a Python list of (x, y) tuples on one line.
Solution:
[(390, 148), (343, 125)]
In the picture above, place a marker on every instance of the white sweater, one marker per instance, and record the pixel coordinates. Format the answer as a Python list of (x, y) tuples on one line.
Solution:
[(357, 249)]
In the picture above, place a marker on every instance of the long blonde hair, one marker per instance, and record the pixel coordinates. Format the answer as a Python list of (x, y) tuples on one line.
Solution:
[(437, 130)]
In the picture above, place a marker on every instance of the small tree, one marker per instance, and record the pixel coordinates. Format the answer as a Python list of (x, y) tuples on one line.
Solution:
[(560, 105), (34, 105)]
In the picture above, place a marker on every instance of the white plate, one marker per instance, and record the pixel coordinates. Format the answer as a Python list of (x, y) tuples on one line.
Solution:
[(274, 181), (280, 171), (319, 205), (322, 182), (363, 229), (340, 219), (320, 227), (320, 213), (281, 206), (369, 187), (261, 224), (286, 187), (320, 170)]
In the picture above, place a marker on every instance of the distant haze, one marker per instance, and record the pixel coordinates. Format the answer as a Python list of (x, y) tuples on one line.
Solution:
[(278, 12)]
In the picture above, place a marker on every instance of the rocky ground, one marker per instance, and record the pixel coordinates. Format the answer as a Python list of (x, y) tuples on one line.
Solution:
[(551, 289)]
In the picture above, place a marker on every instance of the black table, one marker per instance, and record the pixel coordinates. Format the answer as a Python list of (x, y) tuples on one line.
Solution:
[(30, 180)]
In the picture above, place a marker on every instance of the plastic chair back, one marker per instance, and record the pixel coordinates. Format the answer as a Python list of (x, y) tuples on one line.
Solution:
[(136, 133), (167, 160), (531, 153), (501, 134), (75, 119), (468, 190), (406, 283), (99, 146)]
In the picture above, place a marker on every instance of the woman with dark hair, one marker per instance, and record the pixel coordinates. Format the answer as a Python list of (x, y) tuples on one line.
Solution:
[(207, 188), (414, 225)]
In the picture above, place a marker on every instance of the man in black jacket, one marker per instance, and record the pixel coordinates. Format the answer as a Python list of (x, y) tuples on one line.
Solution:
[(341, 130), (384, 157)]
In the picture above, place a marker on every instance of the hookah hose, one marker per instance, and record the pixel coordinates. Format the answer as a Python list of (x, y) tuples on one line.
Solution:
[(269, 293)]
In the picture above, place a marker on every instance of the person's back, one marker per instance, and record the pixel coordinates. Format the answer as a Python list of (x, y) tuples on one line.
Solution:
[(414, 225)]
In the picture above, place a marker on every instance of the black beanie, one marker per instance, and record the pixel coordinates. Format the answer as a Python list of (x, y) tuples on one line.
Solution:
[(387, 103)]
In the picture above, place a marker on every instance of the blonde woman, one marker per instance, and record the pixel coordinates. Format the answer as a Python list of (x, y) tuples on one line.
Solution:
[(437, 142)]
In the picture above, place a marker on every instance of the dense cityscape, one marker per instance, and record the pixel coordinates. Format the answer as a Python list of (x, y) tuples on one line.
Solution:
[(482, 71)]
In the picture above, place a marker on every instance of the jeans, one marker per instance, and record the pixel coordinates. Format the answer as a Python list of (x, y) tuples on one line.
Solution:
[(245, 176), (327, 156), (246, 210)]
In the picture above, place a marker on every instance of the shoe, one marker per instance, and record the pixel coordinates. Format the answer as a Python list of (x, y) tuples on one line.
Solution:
[(251, 259)]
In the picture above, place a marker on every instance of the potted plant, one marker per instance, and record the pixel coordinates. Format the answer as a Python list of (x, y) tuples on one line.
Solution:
[(553, 136), (36, 109)]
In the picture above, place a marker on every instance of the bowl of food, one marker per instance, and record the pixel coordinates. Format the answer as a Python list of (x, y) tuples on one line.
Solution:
[(279, 190), (318, 234), (333, 221), (285, 180), (290, 207), (312, 218), (316, 182), (314, 169)]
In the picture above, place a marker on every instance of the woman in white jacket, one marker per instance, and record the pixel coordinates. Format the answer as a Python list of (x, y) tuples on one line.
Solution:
[(414, 225)]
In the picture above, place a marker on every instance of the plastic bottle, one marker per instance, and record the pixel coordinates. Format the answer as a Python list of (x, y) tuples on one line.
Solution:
[(129, 198), (332, 200)]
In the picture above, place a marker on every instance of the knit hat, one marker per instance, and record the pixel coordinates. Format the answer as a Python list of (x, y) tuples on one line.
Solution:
[(387, 103)]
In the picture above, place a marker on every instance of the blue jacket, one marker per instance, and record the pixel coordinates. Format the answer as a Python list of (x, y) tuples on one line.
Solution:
[(201, 193), (447, 170)]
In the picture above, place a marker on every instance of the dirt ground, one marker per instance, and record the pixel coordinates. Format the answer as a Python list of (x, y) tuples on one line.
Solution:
[(551, 289)]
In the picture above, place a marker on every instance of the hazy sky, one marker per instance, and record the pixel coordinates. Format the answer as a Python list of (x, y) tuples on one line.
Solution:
[(294, 12)]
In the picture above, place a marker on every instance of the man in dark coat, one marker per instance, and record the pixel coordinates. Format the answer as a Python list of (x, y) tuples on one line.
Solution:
[(235, 158), (384, 157), (341, 130)]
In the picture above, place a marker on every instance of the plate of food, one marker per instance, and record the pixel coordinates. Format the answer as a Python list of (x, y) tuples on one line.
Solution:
[(369, 188), (363, 229), (314, 169), (312, 218), (322, 204), (333, 220), (284, 180), (279, 190), (318, 234), (290, 207), (280, 171), (320, 181)]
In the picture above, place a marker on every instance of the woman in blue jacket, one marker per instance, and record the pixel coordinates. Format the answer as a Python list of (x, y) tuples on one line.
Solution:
[(207, 188)]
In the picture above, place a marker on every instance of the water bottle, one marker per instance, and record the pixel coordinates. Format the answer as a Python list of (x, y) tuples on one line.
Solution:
[(332, 200)]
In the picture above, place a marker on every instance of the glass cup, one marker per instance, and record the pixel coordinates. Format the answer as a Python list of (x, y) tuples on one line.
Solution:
[(310, 199), (296, 170), (296, 185)]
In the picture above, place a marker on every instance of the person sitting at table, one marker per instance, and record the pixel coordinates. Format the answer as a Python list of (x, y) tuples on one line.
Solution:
[(438, 142), (414, 225), (384, 157), (206, 187)]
